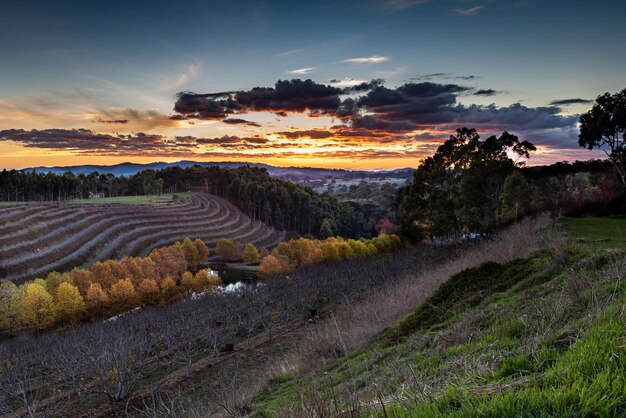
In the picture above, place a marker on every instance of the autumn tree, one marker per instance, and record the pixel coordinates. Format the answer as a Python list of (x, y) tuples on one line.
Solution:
[(70, 306), (207, 279), (122, 296), (250, 254), (148, 291), (9, 305), (37, 307), (226, 250), (273, 266), (604, 127), (96, 299), (189, 283), (192, 254), (168, 290), (203, 250)]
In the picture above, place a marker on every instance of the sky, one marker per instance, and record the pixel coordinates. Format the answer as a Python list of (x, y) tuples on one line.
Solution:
[(369, 84)]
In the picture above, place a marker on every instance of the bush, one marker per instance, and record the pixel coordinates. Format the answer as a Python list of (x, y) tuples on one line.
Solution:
[(226, 250), (250, 254)]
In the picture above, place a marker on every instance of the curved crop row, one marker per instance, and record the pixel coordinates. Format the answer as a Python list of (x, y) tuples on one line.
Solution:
[(55, 236)]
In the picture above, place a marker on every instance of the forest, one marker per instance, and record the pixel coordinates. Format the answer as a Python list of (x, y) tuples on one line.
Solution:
[(279, 203)]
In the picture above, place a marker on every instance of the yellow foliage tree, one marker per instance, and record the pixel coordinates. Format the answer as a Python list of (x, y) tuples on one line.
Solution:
[(97, 299), (226, 250), (169, 291), (192, 255), (123, 296), (149, 291), (70, 306), (37, 307), (250, 254), (203, 250), (207, 279), (9, 306), (189, 283), (274, 266)]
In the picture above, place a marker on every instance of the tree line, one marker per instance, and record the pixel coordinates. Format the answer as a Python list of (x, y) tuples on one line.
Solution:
[(291, 255), (279, 203), (107, 288)]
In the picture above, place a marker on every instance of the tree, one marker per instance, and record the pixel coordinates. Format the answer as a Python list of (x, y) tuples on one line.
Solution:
[(123, 296), (9, 305), (517, 197), (203, 250), (70, 306), (328, 228), (273, 266), (225, 249), (97, 299), (250, 254), (192, 255), (37, 308), (458, 189), (604, 126), (148, 291)]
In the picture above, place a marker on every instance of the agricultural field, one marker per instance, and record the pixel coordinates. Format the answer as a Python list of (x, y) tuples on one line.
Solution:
[(36, 238)]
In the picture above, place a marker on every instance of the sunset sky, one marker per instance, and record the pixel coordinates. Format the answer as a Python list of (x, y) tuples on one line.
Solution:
[(354, 84)]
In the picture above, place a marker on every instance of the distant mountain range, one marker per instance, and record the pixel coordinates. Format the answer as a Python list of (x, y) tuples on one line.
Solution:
[(289, 173)]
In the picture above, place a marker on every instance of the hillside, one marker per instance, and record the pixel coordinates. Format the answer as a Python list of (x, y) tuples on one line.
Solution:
[(297, 174), (37, 238), (541, 335)]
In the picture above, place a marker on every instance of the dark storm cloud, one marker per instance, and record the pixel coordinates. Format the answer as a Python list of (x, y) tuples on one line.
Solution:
[(363, 87), (308, 133), (84, 140), (286, 96), (565, 102), (119, 121), (236, 121), (374, 110), (227, 140), (443, 76), (486, 92)]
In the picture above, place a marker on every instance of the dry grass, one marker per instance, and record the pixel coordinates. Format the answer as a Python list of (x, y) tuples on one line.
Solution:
[(356, 325)]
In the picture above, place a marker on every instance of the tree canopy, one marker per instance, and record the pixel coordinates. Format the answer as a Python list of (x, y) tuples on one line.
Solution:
[(459, 188), (604, 127)]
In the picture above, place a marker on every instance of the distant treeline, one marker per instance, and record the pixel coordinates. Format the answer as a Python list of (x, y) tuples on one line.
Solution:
[(280, 203)]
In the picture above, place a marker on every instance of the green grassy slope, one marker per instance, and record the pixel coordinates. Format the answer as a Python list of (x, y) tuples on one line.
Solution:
[(543, 336)]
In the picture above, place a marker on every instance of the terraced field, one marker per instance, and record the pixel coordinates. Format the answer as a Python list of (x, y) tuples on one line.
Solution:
[(37, 238)]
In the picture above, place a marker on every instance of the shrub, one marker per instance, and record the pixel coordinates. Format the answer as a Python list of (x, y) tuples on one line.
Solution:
[(250, 254), (225, 249), (37, 307), (70, 306)]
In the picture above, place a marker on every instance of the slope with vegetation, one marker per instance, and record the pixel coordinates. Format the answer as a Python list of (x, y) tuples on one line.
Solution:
[(540, 335), (278, 203)]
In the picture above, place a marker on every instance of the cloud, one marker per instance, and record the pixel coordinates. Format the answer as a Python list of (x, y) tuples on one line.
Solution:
[(565, 102), (443, 76), (286, 96), (139, 119), (85, 141), (120, 121), (302, 71), (224, 140), (372, 113), (486, 92), (470, 11), (375, 59), (172, 81), (236, 121), (396, 5)]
